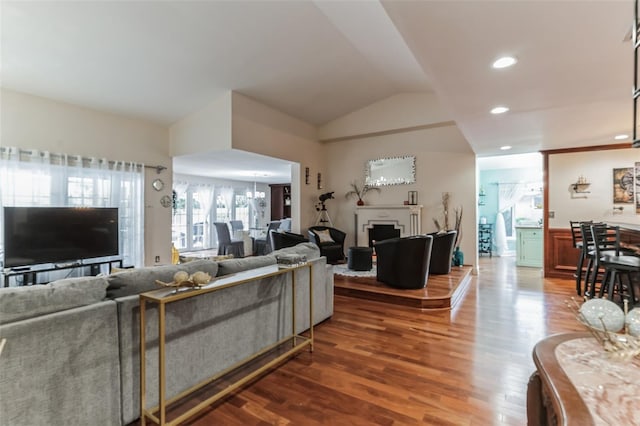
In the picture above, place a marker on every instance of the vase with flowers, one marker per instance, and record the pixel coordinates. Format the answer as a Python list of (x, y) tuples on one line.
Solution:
[(359, 190)]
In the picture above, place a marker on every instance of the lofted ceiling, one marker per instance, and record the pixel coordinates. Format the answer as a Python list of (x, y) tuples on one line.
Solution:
[(319, 60)]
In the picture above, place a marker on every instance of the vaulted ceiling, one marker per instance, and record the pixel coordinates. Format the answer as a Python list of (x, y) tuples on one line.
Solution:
[(319, 60)]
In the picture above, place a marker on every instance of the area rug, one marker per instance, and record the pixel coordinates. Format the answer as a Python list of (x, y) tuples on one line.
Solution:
[(346, 272)]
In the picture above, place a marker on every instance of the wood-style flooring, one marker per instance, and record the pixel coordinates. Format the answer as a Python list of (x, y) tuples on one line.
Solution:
[(381, 364), (441, 291)]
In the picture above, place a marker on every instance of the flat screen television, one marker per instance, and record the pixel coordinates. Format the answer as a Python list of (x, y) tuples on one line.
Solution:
[(37, 235)]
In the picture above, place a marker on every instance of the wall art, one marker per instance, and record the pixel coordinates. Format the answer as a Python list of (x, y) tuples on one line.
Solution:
[(623, 186)]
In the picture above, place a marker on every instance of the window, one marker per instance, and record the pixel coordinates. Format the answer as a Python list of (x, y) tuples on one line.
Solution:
[(192, 221), (241, 207), (38, 178)]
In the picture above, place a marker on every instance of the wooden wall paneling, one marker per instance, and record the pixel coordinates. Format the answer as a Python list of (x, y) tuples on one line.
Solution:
[(561, 257)]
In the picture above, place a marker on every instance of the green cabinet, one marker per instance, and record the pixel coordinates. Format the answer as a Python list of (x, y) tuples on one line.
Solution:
[(529, 247)]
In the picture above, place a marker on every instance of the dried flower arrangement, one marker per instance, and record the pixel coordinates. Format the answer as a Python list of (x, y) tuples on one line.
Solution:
[(446, 196)]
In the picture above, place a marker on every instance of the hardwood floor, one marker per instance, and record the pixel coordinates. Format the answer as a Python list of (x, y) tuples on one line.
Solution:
[(383, 364)]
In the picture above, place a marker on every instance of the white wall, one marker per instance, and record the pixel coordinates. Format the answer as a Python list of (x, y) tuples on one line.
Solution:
[(448, 168), (597, 167), (400, 111), (205, 130), (32, 122), (264, 130)]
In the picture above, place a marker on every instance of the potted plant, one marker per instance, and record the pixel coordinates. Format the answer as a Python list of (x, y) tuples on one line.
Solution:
[(359, 190)]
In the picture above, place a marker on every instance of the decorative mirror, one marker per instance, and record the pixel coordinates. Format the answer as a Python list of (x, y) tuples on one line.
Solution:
[(166, 201), (157, 184), (391, 171)]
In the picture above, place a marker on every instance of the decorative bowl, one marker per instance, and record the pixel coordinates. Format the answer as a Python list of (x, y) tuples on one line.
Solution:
[(603, 314), (633, 322)]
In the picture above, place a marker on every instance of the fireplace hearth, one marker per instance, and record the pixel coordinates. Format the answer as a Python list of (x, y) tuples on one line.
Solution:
[(382, 232), (403, 219)]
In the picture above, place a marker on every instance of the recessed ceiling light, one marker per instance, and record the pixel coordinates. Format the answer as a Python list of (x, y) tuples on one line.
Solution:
[(504, 62), (620, 137), (505, 147), (499, 110)]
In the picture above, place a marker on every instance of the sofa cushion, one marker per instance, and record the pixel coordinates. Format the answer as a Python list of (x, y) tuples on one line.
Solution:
[(233, 266), (310, 250), (18, 303), (135, 281)]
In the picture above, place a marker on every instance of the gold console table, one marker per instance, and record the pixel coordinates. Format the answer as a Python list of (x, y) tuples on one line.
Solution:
[(163, 297)]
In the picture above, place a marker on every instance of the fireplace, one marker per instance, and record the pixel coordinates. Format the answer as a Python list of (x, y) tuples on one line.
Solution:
[(405, 221), (380, 232)]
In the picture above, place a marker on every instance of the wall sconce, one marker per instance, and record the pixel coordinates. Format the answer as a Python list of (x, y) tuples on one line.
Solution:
[(319, 180)]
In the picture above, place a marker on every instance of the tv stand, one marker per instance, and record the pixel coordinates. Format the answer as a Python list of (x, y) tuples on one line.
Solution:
[(30, 274)]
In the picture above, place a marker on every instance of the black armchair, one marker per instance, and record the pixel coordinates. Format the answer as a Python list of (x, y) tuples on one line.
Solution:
[(442, 252), (404, 262), (330, 241), (280, 240)]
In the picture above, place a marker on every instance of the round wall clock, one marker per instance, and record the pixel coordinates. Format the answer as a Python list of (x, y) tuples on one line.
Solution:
[(166, 201)]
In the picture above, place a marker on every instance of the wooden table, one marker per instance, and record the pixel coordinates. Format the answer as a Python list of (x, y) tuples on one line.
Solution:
[(576, 383), (163, 297)]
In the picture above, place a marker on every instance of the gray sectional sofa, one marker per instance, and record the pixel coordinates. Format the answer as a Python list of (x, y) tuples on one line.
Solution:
[(72, 351)]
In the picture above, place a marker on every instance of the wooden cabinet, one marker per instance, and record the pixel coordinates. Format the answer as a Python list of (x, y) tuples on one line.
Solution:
[(280, 201), (529, 247)]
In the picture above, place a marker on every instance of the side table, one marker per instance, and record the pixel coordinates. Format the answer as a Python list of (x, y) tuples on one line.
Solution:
[(360, 258)]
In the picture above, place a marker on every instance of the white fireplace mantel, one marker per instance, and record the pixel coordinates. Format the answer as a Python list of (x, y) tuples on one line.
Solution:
[(406, 218)]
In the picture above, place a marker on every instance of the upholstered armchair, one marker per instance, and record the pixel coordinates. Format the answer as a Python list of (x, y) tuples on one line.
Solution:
[(278, 239), (330, 240), (404, 262), (442, 252)]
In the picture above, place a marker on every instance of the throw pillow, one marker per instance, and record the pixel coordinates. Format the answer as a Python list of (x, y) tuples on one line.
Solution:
[(324, 236)]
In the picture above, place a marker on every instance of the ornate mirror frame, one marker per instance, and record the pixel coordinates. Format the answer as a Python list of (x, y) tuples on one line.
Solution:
[(391, 171)]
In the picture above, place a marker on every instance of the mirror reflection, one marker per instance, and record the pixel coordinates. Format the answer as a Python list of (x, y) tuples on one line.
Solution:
[(391, 171)]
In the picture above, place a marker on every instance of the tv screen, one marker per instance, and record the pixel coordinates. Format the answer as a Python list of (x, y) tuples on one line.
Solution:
[(36, 235)]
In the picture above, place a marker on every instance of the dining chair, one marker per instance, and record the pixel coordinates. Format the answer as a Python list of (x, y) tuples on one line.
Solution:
[(225, 244), (616, 263)]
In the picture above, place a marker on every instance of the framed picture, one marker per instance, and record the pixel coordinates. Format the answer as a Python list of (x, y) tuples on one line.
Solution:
[(319, 180), (623, 191), (306, 176)]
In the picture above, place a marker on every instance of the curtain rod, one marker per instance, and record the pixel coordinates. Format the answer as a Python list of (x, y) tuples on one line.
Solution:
[(158, 168)]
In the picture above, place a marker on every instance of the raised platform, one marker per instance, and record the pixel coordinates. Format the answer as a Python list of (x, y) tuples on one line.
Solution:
[(441, 292)]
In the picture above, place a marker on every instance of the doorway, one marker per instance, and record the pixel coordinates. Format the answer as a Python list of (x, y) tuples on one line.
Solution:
[(510, 203)]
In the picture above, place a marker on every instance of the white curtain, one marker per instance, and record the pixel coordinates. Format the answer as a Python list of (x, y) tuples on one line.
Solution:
[(40, 178), (500, 236), (226, 193), (508, 195), (206, 198)]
